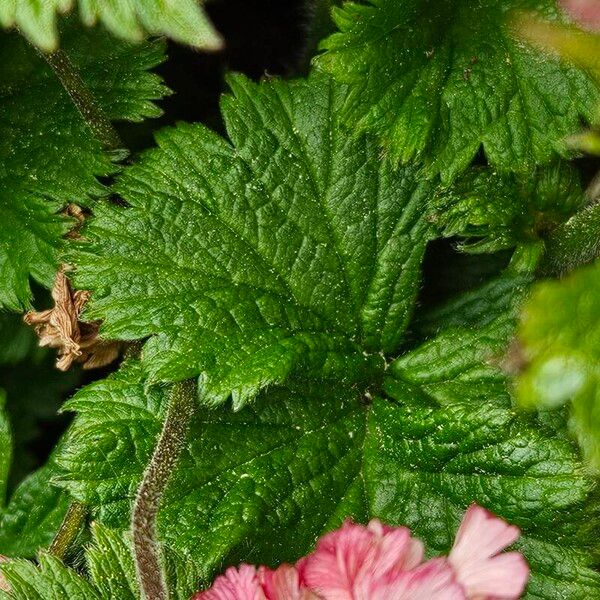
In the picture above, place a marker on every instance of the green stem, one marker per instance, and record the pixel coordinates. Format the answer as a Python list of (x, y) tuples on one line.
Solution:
[(526, 257), (574, 243), (170, 444), (83, 99), (69, 529)]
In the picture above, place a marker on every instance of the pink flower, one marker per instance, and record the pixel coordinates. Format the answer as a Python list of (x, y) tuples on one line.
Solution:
[(480, 568), (377, 562), (353, 561), (246, 583), (585, 12), (284, 584), (235, 584)]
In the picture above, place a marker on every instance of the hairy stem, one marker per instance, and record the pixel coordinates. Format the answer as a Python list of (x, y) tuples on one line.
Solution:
[(69, 528), (574, 243), (150, 492), (83, 99)]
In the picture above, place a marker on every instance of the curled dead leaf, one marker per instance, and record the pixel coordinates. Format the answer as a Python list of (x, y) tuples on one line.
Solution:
[(78, 215), (60, 327)]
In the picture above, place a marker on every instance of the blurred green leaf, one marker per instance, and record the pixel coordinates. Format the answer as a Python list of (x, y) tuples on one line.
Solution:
[(17, 342), (34, 390), (34, 514), (568, 41), (183, 20), (5, 449), (574, 45), (560, 338)]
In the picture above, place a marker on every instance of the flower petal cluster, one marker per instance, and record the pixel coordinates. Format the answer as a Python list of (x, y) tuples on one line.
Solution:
[(378, 562)]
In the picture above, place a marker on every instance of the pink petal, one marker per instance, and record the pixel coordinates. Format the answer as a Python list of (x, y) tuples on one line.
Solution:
[(398, 550), (283, 584), (585, 12), (481, 536), (504, 576), (351, 561), (434, 580), (483, 533), (236, 584)]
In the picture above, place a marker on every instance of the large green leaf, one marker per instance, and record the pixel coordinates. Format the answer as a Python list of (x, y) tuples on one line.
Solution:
[(111, 570), (32, 517), (437, 80), (182, 20), (261, 484), (560, 337), (49, 156), (50, 580), (294, 247)]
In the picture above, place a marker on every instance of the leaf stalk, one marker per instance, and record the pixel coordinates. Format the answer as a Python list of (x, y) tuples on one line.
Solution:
[(166, 454), (91, 113), (574, 243), (69, 529)]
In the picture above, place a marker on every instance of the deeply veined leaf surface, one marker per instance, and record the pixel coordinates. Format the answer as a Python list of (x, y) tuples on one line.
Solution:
[(49, 156), (262, 484), (292, 247), (438, 80)]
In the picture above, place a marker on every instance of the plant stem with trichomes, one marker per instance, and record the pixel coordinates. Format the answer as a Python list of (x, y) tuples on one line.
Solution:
[(575, 242), (98, 122), (69, 530), (170, 444)]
